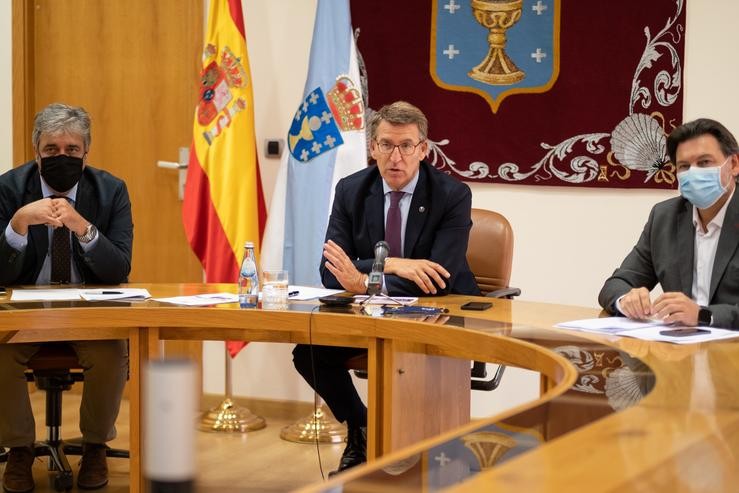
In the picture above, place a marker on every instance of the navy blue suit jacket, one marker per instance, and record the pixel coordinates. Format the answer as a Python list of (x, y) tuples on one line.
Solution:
[(437, 227), (102, 199)]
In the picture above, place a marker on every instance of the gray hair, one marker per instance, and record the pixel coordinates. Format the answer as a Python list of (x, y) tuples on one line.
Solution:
[(399, 113), (61, 118)]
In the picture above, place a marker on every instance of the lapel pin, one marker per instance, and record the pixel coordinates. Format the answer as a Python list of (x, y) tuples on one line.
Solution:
[(422, 209)]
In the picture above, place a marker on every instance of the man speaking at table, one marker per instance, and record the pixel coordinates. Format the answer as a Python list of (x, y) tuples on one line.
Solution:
[(62, 221), (423, 215)]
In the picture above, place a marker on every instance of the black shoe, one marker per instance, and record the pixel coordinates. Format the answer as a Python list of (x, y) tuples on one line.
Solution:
[(93, 467), (355, 452), (18, 476)]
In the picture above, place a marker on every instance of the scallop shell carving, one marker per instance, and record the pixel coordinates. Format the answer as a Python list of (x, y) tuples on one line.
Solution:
[(622, 388), (639, 143)]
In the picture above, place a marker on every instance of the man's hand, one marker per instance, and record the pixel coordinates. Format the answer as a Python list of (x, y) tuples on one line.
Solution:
[(426, 274), (67, 214), (676, 308), (341, 266), (38, 212), (636, 304)]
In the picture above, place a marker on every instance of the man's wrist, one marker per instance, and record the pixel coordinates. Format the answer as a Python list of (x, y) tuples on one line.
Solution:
[(365, 282)]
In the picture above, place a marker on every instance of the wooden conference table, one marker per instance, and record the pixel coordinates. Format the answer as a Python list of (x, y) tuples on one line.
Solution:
[(613, 414)]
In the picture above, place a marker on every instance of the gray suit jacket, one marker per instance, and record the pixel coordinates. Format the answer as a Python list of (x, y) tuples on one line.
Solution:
[(664, 254), (102, 199)]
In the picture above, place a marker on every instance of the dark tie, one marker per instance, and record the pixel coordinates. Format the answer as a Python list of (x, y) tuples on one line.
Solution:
[(60, 255), (392, 225)]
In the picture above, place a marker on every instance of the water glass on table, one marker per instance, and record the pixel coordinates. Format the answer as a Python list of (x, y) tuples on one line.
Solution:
[(274, 290)]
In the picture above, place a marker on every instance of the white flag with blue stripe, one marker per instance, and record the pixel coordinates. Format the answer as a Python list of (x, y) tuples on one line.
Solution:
[(326, 142)]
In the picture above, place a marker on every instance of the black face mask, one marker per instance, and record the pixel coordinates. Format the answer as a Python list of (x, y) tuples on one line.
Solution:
[(61, 172)]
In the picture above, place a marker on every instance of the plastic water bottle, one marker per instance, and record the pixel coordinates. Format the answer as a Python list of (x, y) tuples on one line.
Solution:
[(248, 278)]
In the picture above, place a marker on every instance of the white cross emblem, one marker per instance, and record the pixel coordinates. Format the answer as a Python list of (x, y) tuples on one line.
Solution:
[(304, 155), (326, 117), (442, 459), (538, 55), (451, 52), (305, 106), (539, 8), (452, 6), (316, 147), (329, 141), (313, 98)]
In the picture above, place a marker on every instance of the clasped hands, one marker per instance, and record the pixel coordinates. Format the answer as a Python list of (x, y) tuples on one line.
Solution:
[(671, 308), (426, 274), (51, 212)]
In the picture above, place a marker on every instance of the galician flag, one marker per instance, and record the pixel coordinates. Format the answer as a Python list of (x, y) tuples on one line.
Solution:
[(326, 142), (224, 205)]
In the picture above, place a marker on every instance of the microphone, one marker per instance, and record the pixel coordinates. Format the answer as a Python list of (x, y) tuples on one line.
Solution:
[(374, 284)]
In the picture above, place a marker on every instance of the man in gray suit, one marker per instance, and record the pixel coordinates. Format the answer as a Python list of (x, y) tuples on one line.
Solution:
[(689, 244)]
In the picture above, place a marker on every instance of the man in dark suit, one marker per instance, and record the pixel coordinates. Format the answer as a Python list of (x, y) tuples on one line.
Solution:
[(62, 221), (423, 214), (689, 244)]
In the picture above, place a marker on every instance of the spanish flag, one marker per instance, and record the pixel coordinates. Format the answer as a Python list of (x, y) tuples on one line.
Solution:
[(224, 204)]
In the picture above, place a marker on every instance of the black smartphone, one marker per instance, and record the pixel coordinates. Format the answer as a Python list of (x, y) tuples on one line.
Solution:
[(336, 300), (476, 305), (694, 331), (2, 289)]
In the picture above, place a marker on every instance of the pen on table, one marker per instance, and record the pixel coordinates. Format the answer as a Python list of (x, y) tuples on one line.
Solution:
[(112, 292), (293, 293)]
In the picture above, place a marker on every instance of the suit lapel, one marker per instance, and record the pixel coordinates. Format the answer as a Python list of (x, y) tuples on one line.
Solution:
[(686, 247), (417, 214), (374, 207), (39, 234), (85, 203), (727, 243)]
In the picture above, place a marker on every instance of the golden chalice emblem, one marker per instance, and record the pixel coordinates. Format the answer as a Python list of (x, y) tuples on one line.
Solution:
[(488, 446), (497, 16)]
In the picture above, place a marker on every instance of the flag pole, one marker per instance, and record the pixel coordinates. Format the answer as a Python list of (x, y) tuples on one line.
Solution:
[(228, 416)]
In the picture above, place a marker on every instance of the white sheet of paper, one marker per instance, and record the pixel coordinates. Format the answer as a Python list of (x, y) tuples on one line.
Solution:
[(201, 299), (382, 299), (114, 294), (310, 293), (61, 294), (653, 334), (608, 325)]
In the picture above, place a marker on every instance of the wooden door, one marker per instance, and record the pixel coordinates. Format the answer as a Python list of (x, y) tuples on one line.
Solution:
[(133, 65)]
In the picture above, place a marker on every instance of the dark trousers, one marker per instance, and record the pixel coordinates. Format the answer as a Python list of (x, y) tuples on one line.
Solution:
[(332, 380)]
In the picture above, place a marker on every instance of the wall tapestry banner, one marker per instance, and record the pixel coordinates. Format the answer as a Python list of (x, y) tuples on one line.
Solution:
[(534, 92)]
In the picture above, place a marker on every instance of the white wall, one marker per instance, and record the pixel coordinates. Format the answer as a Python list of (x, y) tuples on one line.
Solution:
[(6, 88), (567, 240)]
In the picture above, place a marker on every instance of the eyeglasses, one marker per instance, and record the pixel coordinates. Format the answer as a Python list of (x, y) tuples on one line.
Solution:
[(406, 148)]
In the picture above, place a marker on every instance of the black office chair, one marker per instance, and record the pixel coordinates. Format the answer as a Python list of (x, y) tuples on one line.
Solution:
[(54, 369)]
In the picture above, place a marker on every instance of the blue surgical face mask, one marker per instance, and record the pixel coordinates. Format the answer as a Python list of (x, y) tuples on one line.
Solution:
[(702, 186)]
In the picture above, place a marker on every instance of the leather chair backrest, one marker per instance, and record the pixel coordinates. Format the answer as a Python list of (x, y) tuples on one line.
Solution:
[(490, 250), (54, 356)]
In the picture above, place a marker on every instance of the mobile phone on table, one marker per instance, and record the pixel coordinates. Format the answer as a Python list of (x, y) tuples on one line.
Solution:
[(476, 305), (693, 331)]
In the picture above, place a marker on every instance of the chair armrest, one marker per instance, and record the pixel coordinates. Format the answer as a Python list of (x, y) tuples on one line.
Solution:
[(504, 293)]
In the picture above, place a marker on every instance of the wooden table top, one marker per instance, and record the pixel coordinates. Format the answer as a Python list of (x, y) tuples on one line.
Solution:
[(617, 414)]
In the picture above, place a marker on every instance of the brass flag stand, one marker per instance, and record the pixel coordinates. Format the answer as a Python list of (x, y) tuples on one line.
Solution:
[(319, 426), (228, 416)]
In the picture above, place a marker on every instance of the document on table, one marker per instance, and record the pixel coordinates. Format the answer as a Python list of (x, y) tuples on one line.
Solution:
[(608, 325), (201, 299), (62, 294), (383, 299), (107, 294), (76, 294), (649, 330), (301, 293)]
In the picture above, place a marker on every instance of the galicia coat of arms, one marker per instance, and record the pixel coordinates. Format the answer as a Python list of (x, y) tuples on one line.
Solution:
[(495, 48)]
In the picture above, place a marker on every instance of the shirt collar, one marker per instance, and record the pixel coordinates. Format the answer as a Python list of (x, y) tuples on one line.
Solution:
[(409, 188), (718, 219), (47, 191)]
